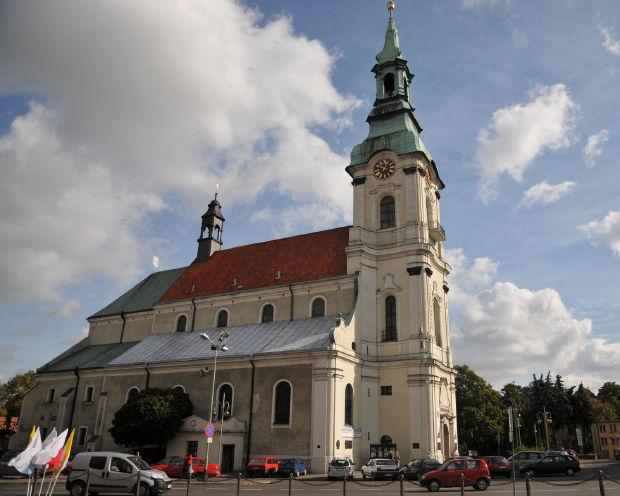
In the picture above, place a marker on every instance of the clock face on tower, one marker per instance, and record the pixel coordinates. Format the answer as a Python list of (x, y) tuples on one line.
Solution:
[(384, 168)]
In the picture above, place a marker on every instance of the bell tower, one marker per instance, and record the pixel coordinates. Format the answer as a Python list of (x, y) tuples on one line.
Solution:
[(396, 247), (210, 239)]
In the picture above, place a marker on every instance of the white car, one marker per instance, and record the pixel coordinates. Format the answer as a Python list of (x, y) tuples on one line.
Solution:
[(380, 468)]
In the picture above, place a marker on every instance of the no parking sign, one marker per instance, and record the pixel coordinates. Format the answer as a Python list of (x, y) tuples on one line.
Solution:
[(209, 430)]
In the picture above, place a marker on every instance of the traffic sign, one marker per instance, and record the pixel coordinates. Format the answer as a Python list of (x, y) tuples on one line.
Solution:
[(209, 440), (209, 430)]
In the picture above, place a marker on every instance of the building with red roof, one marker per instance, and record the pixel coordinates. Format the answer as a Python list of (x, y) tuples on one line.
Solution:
[(328, 344)]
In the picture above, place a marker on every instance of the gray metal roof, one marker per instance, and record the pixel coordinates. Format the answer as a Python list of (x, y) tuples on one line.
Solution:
[(89, 357), (254, 339), (143, 295)]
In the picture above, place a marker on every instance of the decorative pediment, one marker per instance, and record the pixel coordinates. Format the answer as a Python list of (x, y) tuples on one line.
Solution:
[(389, 186), (389, 284), (194, 423)]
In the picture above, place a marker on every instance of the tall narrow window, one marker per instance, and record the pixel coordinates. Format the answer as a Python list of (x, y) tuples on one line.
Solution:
[(388, 212), (318, 307), (437, 320), (348, 405), (222, 318), (390, 319), (282, 404), (181, 323), (132, 394), (267, 315), (388, 84), (225, 402)]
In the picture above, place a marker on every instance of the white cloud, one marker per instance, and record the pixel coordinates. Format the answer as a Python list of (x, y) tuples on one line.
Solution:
[(610, 43), (544, 193), (506, 333), (592, 148), (521, 132), (142, 100), (477, 4), (606, 229)]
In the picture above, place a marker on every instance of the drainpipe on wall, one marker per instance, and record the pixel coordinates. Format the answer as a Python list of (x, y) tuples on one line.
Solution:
[(123, 326), (191, 329), (290, 288), (77, 384), (247, 451), (148, 374)]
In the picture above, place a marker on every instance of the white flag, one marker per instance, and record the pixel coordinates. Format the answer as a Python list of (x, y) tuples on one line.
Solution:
[(22, 461), (48, 452)]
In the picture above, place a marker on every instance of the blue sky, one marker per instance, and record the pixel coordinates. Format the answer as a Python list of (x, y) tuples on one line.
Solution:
[(110, 147)]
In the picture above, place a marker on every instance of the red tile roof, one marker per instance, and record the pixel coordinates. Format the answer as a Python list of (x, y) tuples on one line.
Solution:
[(308, 257)]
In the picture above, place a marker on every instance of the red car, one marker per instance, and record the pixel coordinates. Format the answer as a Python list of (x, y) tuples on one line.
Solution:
[(176, 467), (475, 471), (263, 466), (498, 465)]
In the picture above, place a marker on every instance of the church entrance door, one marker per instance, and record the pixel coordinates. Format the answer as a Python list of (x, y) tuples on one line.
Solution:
[(228, 458)]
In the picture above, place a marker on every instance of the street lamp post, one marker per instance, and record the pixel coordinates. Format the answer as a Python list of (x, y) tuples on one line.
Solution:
[(219, 346), (544, 417), (224, 408)]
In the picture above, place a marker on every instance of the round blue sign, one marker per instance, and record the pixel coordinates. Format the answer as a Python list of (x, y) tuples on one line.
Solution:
[(209, 430)]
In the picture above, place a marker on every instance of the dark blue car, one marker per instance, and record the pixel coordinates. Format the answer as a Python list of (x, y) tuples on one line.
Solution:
[(292, 466)]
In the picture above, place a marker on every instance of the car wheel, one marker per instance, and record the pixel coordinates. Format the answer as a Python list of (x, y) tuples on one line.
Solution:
[(296, 473), (143, 491), (481, 485), (77, 488), (433, 486), (530, 473), (570, 472), (363, 475), (372, 476)]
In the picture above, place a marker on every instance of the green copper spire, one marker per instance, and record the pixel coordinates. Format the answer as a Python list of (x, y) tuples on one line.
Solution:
[(391, 47), (393, 125)]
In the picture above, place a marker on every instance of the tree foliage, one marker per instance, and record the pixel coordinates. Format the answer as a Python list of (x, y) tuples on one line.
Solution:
[(479, 411), (610, 393), (12, 393), (153, 417)]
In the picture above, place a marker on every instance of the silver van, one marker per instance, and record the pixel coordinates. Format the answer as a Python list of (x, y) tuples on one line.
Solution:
[(117, 473)]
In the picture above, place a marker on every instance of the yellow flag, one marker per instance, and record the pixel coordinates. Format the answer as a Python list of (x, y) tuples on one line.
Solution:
[(66, 452), (32, 433)]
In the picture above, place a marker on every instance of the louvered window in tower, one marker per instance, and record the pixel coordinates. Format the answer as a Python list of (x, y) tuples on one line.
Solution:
[(388, 212), (391, 334)]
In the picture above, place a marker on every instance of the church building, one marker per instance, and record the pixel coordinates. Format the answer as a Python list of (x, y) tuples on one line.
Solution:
[(328, 344)]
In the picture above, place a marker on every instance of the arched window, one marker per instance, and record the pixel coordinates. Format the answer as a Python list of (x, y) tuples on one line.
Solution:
[(388, 212), (222, 318), (391, 333), (282, 403), (181, 323), (225, 401), (216, 233), (388, 84), (132, 393), (179, 387), (437, 320), (348, 405), (267, 314), (318, 307)]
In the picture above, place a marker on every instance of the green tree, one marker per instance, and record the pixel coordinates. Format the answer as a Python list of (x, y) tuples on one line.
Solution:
[(610, 393), (153, 418), (480, 416), (12, 393)]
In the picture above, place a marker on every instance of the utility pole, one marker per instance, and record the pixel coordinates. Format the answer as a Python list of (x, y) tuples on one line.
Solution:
[(511, 437)]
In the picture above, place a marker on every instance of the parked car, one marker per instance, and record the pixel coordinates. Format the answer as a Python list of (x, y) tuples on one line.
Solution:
[(523, 458), (263, 466), (380, 468), (415, 468), (553, 464), (176, 467), (341, 468), (115, 472), (498, 466), (292, 466), (617, 453), (475, 471)]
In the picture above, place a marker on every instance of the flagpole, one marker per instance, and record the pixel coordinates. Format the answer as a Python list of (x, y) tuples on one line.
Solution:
[(42, 479), (28, 490)]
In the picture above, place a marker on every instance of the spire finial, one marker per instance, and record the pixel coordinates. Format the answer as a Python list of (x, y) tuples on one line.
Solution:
[(217, 189), (391, 5)]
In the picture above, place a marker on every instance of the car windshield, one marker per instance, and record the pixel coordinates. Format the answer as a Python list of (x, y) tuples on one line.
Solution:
[(385, 462), (414, 463), (339, 463), (139, 462)]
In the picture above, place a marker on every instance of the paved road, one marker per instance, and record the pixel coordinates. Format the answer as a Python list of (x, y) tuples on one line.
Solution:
[(549, 486), (315, 487)]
